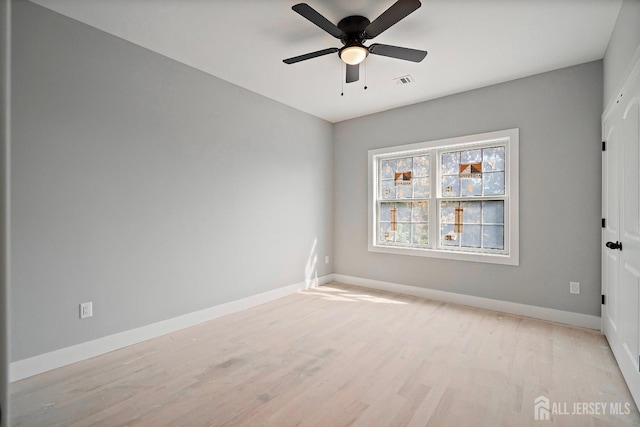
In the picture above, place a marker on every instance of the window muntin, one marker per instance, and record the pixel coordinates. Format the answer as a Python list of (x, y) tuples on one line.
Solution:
[(454, 198)]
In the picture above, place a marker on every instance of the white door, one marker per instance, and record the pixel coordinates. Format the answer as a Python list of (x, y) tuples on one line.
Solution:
[(621, 235), (611, 232)]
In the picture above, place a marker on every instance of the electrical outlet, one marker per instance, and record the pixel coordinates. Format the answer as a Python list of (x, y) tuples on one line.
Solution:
[(574, 287), (326, 259), (86, 310)]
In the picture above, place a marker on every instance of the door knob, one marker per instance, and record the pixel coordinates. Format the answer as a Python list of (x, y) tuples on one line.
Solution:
[(616, 245)]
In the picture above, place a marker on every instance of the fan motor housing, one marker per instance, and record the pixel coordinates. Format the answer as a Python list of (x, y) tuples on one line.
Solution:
[(353, 28)]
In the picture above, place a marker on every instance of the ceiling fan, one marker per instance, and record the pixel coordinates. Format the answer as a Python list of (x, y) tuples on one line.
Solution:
[(353, 31)]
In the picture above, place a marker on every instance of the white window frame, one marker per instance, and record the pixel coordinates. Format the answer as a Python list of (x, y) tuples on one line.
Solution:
[(509, 256)]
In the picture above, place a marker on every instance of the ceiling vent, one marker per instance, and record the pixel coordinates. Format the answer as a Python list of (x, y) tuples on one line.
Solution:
[(404, 80)]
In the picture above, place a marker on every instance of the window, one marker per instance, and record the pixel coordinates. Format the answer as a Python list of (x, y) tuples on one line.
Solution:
[(455, 198)]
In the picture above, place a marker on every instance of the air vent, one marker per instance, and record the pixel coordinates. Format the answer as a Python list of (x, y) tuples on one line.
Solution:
[(404, 80)]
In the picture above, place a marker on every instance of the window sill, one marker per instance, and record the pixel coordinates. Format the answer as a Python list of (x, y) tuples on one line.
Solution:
[(504, 259)]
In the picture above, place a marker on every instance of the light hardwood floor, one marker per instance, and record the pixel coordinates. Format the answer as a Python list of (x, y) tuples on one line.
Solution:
[(338, 355)]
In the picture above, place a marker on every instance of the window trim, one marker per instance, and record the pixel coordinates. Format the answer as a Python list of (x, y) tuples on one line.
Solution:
[(510, 137)]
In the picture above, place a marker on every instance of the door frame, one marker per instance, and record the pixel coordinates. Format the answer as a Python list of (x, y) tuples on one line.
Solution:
[(5, 114)]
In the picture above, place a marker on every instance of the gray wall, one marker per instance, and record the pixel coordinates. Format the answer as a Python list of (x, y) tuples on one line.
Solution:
[(624, 41), (148, 187), (558, 114), (155, 190), (5, 13)]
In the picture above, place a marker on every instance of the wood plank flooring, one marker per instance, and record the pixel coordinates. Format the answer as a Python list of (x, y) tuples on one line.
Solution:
[(335, 356)]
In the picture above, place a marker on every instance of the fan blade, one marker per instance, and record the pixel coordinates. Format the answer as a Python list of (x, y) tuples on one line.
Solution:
[(310, 55), (312, 15), (353, 73), (398, 52), (391, 16)]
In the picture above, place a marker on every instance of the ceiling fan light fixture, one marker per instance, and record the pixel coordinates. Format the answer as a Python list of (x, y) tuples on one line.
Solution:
[(353, 55)]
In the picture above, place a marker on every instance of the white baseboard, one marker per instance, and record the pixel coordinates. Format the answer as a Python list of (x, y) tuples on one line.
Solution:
[(543, 313), (55, 359), (65, 356)]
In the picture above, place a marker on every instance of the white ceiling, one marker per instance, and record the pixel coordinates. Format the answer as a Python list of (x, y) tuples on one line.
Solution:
[(471, 44)]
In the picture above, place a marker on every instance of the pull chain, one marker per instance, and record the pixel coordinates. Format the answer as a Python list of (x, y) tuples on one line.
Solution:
[(365, 76), (342, 77)]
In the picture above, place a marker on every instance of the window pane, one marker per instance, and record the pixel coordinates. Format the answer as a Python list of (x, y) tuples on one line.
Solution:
[(420, 234), (421, 166), (447, 212), (387, 169), (451, 163), (448, 237), (471, 187), (421, 188), (450, 186), (493, 212), (493, 159), (471, 156), (404, 212), (403, 235), (493, 237), (404, 165), (387, 190), (493, 183), (420, 212), (471, 236), (386, 235), (404, 191), (385, 214), (471, 212)]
